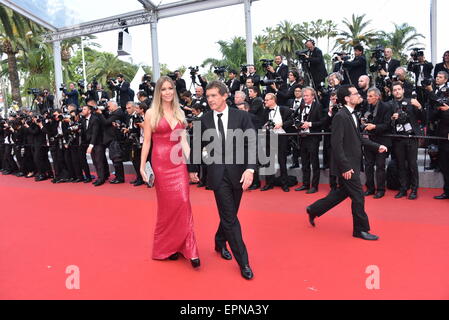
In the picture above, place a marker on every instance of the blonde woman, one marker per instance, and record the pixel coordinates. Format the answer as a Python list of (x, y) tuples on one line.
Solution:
[(174, 227)]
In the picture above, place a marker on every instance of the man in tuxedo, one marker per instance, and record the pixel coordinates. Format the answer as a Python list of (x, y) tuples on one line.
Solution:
[(225, 176), (357, 67), (346, 160), (233, 83), (294, 106), (391, 64), (112, 133), (281, 70), (99, 95), (423, 71), (93, 136), (376, 121), (311, 116), (316, 63), (256, 106), (122, 89), (278, 116), (250, 74)]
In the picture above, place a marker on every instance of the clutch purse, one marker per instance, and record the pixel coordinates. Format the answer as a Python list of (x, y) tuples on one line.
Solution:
[(150, 174)]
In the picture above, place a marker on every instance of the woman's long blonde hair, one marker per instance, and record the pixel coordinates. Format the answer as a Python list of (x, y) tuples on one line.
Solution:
[(156, 111)]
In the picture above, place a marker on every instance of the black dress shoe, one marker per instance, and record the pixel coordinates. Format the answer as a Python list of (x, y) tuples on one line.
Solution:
[(442, 197), (285, 188), (413, 195), (247, 273), (254, 187), (88, 180), (303, 188), (98, 183), (312, 191), (54, 180), (225, 254), (139, 183), (200, 185), (62, 181), (267, 187), (365, 236), (6, 172), (369, 193), (174, 257), (401, 194), (311, 216), (40, 178), (195, 263), (77, 180), (379, 195), (132, 182), (19, 174), (116, 181)]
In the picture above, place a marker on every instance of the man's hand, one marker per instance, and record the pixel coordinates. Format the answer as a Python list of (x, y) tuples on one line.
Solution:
[(444, 107), (247, 179), (416, 103), (306, 125), (270, 69), (370, 127), (89, 150), (383, 149), (348, 175), (383, 73), (278, 126), (395, 116), (194, 177)]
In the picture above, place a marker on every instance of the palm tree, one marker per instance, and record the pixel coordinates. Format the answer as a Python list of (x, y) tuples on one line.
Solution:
[(13, 27), (356, 33), (401, 40), (233, 54), (286, 38)]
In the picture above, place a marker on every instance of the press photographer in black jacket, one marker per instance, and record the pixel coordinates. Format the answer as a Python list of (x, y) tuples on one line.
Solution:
[(376, 121), (357, 67)]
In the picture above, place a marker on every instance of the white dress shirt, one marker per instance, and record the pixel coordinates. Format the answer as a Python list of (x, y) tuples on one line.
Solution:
[(275, 116), (224, 118), (353, 116)]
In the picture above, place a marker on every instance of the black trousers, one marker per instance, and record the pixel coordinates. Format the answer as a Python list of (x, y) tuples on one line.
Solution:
[(347, 188), (282, 159), (135, 157), (29, 165), (228, 203), (294, 145), (40, 156), (98, 158), (19, 152), (59, 164), (309, 157), (83, 160), (374, 158), (73, 160), (444, 163), (406, 150), (326, 150), (8, 159)]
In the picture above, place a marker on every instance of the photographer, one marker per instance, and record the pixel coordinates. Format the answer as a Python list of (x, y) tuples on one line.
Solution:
[(250, 73), (294, 82), (72, 144), (30, 168), (98, 94), (338, 66), (9, 164), (187, 103), (294, 106), (40, 149), (200, 99), (122, 90), (256, 106), (72, 96), (275, 117), (317, 66), (307, 119), (147, 86), (443, 66), (55, 129), (45, 102), (281, 70), (422, 70), (142, 96), (404, 121), (180, 83), (113, 138), (233, 83), (133, 135), (357, 67), (376, 121), (441, 115)]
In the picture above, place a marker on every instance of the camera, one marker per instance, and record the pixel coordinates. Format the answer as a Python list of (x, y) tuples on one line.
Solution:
[(267, 83), (172, 76), (244, 68), (298, 122), (81, 84), (120, 125), (379, 57), (34, 91), (220, 70), (366, 119), (301, 54), (427, 82), (416, 53), (270, 125), (266, 63), (343, 56), (62, 87), (193, 71)]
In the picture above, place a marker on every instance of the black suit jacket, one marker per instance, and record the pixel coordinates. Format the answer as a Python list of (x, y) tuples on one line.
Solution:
[(414, 114), (315, 116), (439, 67), (215, 172), (382, 120), (257, 108), (282, 71), (392, 66), (347, 143), (416, 69), (286, 115), (93, 134), (109, 131), (317, 66), (356, 69), (235, 86)]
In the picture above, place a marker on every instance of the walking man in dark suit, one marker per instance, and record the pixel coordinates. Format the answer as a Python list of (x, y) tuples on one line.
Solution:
[(346, 159), (227, 176)]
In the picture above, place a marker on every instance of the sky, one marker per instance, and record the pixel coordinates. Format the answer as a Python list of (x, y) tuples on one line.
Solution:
[(188, 40)]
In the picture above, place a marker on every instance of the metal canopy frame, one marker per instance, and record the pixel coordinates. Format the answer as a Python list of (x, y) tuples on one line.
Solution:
[(150, 14)]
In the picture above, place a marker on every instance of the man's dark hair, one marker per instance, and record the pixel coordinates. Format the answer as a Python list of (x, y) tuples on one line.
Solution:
[(344, 92), (57, 110), (90, 99), (232, 71), (143, 106), (142, 94), (255, 89), (120, 75), (222, 88), (295, 74), (397, 83), (359, 48), (186, 94)]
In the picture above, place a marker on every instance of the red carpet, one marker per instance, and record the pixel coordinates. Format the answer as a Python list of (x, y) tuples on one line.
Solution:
[(107, 233)]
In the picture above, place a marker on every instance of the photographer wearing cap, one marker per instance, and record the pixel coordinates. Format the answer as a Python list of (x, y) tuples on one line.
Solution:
[(404, 121)]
